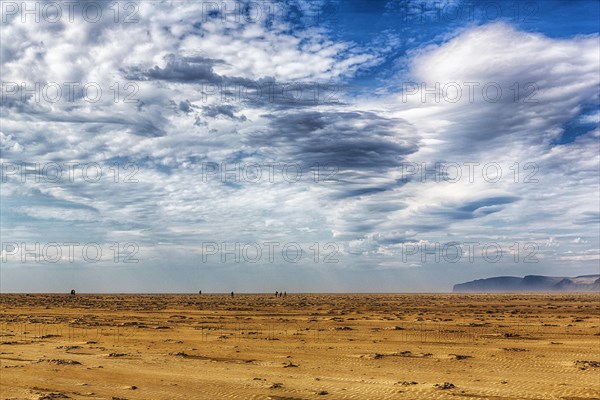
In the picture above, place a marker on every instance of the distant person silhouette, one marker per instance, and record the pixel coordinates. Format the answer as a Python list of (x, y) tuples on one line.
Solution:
[(72, 292), (231, 294), (199, 291), (284, 294), (276, 293)]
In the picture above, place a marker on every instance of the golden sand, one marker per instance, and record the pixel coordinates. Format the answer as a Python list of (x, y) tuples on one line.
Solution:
[(443, 346)]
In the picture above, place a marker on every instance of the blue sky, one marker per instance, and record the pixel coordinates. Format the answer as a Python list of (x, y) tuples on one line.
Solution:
[(390, 145)]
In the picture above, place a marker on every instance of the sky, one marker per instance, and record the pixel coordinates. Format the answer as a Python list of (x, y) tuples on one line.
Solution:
[(305, 146)]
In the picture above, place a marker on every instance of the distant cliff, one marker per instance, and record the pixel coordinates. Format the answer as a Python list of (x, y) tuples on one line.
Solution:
[(532, 283)]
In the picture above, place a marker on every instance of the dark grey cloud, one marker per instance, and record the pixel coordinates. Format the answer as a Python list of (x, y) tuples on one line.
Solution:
[(345, 139), (185, 106), (178, 69), (476, 208), (264, 92), (225, 110)]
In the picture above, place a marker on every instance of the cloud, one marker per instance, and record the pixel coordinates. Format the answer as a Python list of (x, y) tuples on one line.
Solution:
[(225, 110), (497, 91), (349, 140), (187, 73), (477, 208), (544, 185), (182, 70)]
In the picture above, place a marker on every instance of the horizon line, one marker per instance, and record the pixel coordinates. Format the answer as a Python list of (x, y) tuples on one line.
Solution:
[(294, 293)]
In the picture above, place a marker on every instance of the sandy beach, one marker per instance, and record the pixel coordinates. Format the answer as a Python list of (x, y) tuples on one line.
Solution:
[(360, 346)]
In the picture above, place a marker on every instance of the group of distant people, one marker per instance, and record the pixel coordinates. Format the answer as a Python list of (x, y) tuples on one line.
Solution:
[(277, 293)]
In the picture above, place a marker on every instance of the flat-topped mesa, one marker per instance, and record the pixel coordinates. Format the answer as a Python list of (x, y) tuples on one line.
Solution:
[(532, 283)]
